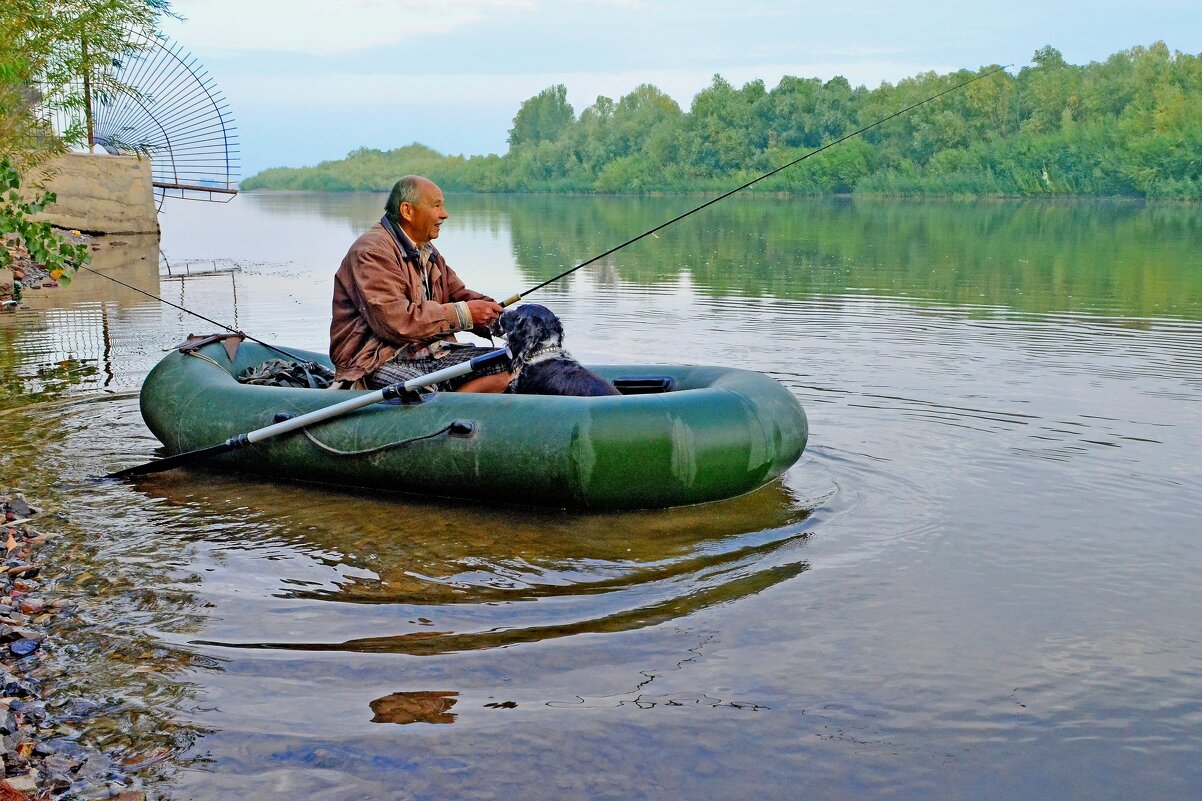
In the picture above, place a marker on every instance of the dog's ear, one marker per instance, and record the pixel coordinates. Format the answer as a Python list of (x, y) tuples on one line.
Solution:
[(527, 333), (511, 325)]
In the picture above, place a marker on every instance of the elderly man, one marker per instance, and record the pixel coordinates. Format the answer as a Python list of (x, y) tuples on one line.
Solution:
[(397, 305)]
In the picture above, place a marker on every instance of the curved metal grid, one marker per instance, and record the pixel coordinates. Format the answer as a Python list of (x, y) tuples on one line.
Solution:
[(177, 117)]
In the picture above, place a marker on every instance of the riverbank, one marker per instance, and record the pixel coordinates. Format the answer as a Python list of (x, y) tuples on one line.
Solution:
[(42, 752), (27, 274)]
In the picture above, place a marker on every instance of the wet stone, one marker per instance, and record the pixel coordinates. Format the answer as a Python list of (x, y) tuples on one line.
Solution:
[(68, 748), (23, 647), (59, 766), (139, 761), (22, 688), (25, 783), (78, 709), (28, 708), (20, 507)]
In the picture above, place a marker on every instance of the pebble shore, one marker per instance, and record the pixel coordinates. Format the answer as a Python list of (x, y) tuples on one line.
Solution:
[(41, 753), (28, 274)]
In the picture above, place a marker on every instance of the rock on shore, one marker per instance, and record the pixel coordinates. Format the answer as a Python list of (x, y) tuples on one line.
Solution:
[(41, 756)]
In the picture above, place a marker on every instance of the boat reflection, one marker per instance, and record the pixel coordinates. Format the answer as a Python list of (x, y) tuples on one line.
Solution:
[(446, 576)]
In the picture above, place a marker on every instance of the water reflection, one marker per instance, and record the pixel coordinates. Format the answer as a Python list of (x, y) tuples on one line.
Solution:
[(1001, 498), (1123, 258), (435, 577), (133, 260), (63, 339)]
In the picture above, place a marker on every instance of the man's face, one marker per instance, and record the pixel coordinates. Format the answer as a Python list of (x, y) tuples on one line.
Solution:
[(423, 219)]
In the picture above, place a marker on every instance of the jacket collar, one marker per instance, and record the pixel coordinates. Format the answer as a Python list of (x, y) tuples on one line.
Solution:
[(411, 252)]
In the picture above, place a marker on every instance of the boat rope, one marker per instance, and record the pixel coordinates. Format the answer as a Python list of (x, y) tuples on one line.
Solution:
[(194, 314), (379, 448), (207, 358), (511, 300)]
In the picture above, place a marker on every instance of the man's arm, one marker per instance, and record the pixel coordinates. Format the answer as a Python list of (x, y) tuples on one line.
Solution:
[(391, 305)]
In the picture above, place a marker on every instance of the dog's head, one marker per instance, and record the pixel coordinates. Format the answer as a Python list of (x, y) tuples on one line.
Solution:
[(530, 328)]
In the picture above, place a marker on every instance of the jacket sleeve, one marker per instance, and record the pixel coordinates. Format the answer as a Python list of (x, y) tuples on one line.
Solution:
[(390, 302)]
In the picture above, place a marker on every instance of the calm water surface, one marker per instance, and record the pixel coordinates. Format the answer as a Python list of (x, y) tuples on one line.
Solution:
[(980, 581)]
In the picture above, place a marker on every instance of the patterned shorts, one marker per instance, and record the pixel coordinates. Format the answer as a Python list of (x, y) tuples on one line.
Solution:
[(401, 369)]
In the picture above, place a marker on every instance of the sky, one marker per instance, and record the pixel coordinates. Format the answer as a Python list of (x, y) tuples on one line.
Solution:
[(309, 81)]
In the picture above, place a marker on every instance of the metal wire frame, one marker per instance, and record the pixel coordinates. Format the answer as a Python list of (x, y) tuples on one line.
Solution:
[(176, 116)]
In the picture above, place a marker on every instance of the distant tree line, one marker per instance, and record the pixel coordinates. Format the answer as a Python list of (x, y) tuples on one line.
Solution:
[(1128, 126)]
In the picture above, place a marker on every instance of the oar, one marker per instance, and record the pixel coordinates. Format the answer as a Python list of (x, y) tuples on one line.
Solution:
[(320, 415)]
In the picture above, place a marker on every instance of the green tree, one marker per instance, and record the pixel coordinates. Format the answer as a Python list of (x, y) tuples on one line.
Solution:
[(1129, 126), (542, 118)]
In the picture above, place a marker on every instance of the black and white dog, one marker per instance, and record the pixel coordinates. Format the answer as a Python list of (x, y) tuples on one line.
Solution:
[(543, 367)]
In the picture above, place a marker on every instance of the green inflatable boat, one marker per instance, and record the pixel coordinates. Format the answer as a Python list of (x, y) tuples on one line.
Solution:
[(677, 435)]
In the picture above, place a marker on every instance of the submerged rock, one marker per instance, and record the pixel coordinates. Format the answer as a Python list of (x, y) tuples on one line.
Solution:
[(40, 756)]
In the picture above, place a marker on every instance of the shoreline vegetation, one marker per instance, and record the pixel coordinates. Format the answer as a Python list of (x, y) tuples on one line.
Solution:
[(1130, 126)]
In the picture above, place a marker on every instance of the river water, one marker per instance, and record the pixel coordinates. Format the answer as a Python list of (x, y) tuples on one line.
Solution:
[(980, 581)]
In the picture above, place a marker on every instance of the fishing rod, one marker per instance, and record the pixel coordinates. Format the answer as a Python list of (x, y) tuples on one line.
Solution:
[(511, 300), (194, 314)]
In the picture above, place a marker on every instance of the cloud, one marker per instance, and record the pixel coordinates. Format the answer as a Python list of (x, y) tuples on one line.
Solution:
[(325, 28)]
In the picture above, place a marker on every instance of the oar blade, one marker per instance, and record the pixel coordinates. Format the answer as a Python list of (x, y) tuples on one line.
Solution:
[(178, 460)]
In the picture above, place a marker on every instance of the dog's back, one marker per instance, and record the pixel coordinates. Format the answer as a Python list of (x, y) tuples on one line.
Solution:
[(561, 377), (535, 338)]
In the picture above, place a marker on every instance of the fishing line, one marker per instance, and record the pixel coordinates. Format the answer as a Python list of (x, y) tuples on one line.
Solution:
[(194, 314), (510, 301)]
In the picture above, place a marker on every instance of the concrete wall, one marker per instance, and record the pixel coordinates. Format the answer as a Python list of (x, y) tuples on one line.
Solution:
[(99, 193)]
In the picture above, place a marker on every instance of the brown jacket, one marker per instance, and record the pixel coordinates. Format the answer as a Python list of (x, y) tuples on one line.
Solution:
[(378, 306)]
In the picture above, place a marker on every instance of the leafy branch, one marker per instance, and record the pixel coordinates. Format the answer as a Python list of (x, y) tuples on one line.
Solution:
[(38, 237)]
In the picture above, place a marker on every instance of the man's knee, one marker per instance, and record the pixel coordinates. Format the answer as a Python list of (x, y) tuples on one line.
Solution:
[(487, 383)]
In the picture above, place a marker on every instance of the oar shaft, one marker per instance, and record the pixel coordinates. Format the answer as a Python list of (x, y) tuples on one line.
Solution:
[(316, 416), (387, 393)]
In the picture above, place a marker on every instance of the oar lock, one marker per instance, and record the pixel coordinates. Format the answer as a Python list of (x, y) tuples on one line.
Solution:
[(462, 429)]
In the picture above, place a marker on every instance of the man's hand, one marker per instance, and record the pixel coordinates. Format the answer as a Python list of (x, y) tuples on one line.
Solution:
[(484, 312)]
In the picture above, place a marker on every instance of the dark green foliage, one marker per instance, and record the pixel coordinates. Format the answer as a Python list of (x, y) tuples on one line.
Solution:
[(1129, 126), (543, 118)]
